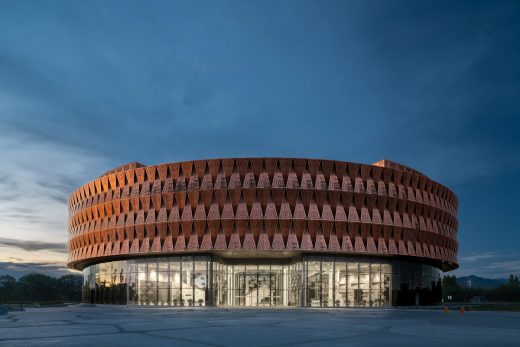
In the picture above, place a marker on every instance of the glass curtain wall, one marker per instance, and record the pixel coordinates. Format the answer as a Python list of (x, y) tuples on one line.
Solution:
[(175, 281), (314, 281), (363, 282)]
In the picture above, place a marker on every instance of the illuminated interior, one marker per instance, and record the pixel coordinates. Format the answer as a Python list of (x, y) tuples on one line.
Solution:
[(315, 281)]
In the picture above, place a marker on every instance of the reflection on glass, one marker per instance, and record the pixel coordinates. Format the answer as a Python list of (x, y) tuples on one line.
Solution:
[(310, 281)]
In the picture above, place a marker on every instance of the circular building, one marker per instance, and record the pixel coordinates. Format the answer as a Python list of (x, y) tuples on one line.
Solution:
[(263, 232)]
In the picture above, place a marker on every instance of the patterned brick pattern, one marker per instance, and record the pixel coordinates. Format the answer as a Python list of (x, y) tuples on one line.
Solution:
[(252, 204)]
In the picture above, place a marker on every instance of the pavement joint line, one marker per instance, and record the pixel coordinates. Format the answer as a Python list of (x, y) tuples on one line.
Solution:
[(35, 326), (316, 341), (57, 336), (285, 326), (184, 339)]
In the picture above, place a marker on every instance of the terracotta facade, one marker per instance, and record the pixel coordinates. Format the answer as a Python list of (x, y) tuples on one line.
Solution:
[(263, 207)]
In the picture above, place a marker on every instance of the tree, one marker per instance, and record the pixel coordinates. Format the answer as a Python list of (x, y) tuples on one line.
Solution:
[(69, 287), (8, 288), (38, 287), (450, 282), (513, 282)]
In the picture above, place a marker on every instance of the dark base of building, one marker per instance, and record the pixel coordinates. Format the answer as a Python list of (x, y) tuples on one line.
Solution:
[(305, 281)]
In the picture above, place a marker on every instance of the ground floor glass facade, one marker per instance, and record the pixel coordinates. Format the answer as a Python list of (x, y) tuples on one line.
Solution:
[(313, 281)]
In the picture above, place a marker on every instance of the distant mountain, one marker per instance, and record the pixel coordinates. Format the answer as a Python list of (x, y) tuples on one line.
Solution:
[(18, 270), (479, 282)]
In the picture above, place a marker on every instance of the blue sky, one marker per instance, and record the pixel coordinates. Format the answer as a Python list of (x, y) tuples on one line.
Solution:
[(87, 86)]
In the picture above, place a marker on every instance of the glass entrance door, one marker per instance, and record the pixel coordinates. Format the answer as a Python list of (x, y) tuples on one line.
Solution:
[(258, 288), (247, 288), (257, 284)]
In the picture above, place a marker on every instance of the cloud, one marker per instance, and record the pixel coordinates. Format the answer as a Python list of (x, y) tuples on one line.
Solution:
[(34, 245), (489, 264), (511, 266), (36, 178), (90, 87), (483, 256)]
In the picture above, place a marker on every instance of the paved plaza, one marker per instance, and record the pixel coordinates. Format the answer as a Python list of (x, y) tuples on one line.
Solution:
[(127, 326)]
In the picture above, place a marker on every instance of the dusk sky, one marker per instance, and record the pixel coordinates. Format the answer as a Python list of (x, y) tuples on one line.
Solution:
[(86, 86)]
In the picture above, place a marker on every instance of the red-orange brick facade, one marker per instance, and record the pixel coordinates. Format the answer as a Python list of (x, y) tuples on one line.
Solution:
[(265, 209)]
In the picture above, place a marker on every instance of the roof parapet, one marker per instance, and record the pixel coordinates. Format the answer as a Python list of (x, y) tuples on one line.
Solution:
[(396, 166), (128, 166)]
